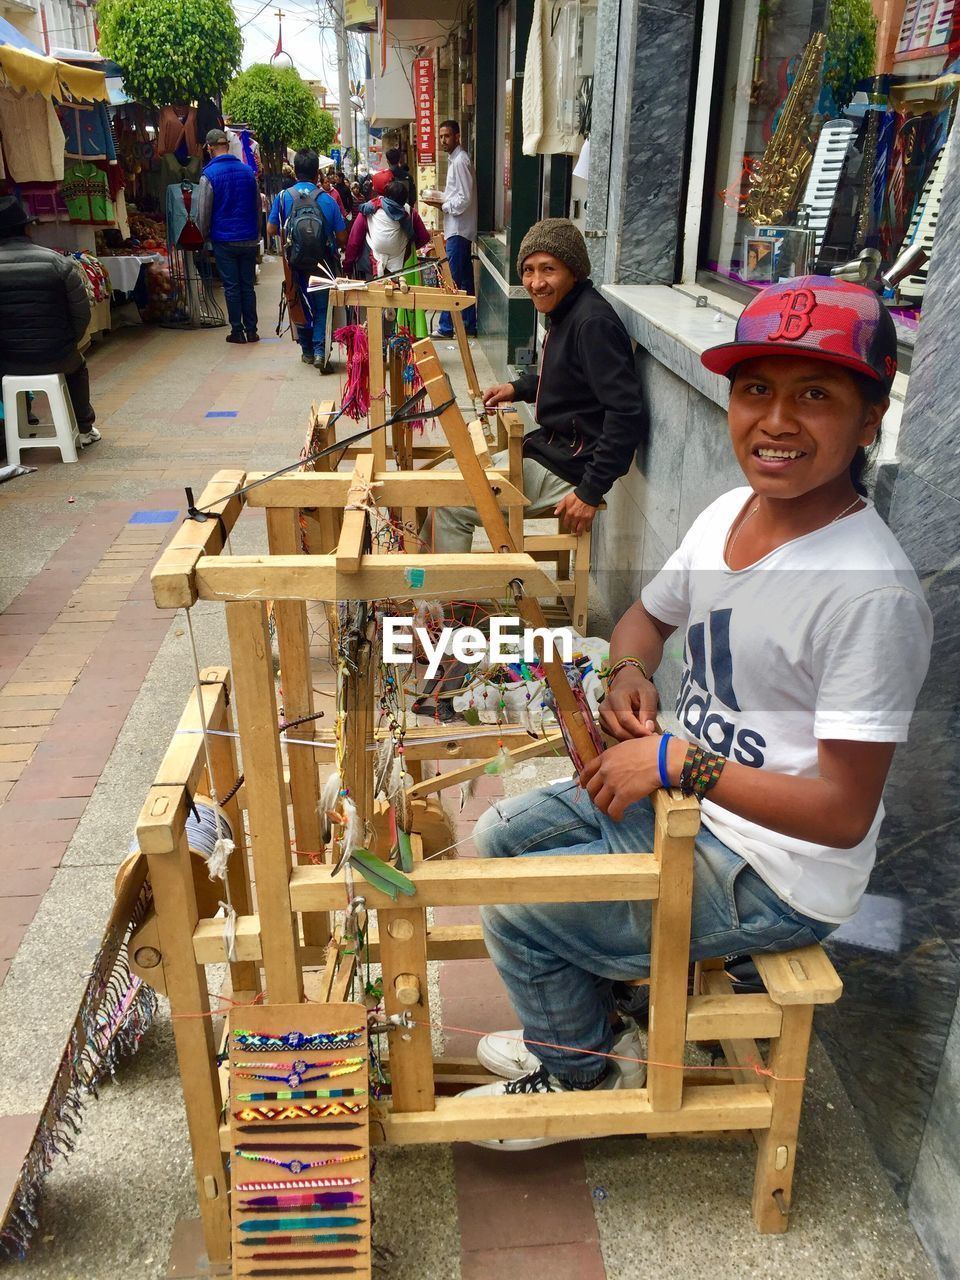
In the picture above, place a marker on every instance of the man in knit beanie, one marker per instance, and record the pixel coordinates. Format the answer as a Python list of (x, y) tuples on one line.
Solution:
[(589, 407)]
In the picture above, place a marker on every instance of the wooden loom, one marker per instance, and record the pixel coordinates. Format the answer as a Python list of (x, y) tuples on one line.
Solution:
[(285, 948)]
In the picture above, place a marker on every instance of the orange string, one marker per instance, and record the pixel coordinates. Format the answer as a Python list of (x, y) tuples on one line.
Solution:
[(756, 1067)]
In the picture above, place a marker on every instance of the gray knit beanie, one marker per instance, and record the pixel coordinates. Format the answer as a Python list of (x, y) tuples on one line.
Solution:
[(562, 240)]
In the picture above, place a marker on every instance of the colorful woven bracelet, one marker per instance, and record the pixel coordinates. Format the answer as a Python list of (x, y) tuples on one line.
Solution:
[(295, 1165), (321, 1198), (299, 1184), (298, 1111), (294, 1095), (297, 1224), (341, 1237), (294, 1041), (299, 1072), (701, 771)]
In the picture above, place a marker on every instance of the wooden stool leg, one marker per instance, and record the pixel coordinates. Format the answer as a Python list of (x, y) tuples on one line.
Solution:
[(773, 1182), (581, 583)]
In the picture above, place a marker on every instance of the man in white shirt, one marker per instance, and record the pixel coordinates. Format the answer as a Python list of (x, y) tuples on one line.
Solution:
[(459, 205)]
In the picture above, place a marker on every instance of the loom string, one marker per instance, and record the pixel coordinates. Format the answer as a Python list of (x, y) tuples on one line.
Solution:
[(756, 1068), (223, 847)]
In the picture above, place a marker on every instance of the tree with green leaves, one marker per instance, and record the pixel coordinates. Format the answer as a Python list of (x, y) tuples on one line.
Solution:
[(280, 109), (851, 48), (171, 51)]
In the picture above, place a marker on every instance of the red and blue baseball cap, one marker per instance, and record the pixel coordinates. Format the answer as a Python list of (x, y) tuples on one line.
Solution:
[(819, 317)]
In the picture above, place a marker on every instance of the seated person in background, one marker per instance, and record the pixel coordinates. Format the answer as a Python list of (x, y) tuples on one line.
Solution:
[(44, 313), (383, 234), (589, 405), (807, 638), (312, 335)]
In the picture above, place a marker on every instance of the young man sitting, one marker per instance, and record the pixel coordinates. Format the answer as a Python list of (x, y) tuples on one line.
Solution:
[(806, 641), (589, 406)]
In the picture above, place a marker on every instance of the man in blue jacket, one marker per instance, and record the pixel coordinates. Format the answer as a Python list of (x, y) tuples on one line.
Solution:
[(228, 216)]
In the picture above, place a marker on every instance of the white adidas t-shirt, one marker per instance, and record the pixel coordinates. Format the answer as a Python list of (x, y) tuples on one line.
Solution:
[(827, 636)]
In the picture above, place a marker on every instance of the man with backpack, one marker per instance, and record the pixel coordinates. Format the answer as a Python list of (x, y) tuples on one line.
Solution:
[(312, 230)]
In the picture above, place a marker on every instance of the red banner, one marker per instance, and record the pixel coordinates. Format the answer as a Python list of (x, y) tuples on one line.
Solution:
[(423, 104)]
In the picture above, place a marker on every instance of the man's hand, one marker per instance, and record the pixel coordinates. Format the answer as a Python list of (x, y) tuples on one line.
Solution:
[(622, 775), (576, 516), (502, 393), (629, 708)]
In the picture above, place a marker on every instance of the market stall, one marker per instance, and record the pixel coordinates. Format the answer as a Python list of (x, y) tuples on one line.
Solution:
[(55, 147)]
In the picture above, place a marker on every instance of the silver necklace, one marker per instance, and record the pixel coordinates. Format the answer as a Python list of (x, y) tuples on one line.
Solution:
[(753, 511)]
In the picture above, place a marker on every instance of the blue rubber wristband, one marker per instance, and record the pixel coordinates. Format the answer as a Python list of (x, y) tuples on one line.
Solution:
[(662, 761)]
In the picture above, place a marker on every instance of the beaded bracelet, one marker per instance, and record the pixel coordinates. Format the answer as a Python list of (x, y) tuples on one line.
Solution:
[(701, 771), (609, 673)]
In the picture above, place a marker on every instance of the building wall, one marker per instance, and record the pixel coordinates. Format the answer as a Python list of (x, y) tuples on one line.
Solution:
[(506, 332), (895, 1035)]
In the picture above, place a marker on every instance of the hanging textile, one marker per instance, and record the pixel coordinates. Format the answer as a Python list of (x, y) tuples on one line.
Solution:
[(177, 133), (34, 73), (86, 127), (43, 201), (543, 69), (32, 138), (86, 190)]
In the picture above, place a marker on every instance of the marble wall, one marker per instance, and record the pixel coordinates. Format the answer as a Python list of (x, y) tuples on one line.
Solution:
[(921, 855), (648, 138)]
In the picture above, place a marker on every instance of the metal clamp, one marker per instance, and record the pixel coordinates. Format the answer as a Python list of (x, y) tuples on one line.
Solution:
[(393, 1022)]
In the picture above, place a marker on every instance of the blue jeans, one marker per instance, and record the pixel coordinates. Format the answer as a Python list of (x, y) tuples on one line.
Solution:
[(312, 336), (461, 267), (559, 960), (237, 265)]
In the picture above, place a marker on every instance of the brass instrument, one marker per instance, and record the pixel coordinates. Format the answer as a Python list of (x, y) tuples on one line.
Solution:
[(789, 152)]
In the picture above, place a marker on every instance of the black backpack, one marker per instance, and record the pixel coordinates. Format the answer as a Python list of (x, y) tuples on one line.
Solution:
[(309, 240)]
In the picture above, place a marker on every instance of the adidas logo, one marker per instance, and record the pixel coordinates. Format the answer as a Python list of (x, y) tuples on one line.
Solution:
[(707, 695)]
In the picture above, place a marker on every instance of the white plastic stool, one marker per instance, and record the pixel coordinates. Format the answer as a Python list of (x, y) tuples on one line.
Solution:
[(54, 386)]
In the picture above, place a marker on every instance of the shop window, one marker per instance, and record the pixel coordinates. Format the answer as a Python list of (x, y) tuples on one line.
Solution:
[(506, 24), (832, 127)]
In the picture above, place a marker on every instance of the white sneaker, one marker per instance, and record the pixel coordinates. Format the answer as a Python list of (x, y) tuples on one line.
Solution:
[(538, 1081), (505, 1054), (88, 437)]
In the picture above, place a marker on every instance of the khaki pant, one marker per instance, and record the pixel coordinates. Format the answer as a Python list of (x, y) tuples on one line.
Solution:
[(450, 529)]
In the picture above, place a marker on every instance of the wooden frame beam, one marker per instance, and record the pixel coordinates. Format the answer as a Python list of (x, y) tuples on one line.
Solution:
[(321, 578), (577, 878)]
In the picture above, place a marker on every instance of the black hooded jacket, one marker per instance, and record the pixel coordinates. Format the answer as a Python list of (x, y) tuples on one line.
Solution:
[(44, 311), (589, 405)]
